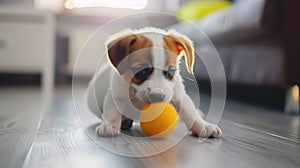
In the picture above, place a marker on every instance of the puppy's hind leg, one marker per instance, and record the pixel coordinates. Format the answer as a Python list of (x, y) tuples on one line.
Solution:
[(126, 123), (97, 90)]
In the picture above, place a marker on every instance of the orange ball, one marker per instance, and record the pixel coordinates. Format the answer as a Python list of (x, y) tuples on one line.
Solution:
[(158, 120)]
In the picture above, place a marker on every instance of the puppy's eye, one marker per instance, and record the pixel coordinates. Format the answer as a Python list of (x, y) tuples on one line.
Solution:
[(169, 74), (142, 73)]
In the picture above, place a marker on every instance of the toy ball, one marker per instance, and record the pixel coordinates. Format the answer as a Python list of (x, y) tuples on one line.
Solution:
[(158, 120)]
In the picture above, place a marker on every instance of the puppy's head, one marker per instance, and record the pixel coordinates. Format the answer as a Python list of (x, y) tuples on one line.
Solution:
[(149, 62)]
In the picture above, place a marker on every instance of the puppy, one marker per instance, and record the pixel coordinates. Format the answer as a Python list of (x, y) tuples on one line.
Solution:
[(144, 68)]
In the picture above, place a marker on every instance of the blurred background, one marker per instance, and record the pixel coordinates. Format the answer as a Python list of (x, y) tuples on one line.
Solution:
[(257, 41)]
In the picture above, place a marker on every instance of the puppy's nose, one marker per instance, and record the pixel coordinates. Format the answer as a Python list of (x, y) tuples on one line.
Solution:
[(156, 97)]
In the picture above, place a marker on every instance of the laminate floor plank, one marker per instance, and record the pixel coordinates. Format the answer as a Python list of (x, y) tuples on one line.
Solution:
[(252, 137), (20, 114)]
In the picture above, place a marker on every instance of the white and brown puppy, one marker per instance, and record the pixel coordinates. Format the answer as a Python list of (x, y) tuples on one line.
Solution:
[(144, 68)]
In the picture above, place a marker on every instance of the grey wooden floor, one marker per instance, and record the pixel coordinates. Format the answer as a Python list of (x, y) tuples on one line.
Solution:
[(252, 137)]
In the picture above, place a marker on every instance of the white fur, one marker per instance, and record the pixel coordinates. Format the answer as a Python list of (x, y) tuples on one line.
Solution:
[(117, 102)]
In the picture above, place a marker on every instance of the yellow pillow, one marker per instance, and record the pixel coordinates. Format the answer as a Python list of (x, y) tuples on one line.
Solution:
[(198, 9)]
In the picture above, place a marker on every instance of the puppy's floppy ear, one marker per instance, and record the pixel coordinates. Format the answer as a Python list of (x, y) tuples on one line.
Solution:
[(118, 49), (183, 43)]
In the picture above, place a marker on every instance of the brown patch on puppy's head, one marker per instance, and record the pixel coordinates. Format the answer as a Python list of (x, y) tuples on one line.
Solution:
[(124, 46)]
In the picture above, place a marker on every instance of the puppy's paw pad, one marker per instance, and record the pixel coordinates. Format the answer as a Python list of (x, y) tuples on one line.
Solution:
[(106, 129), (207, 130)]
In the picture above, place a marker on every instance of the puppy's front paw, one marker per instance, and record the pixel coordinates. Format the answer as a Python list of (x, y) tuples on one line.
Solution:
[(206, 130), (107, 129)]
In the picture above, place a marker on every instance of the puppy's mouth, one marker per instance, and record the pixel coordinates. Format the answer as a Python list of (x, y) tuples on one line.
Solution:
[(152, 98), (147, 97), (142, 99)]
